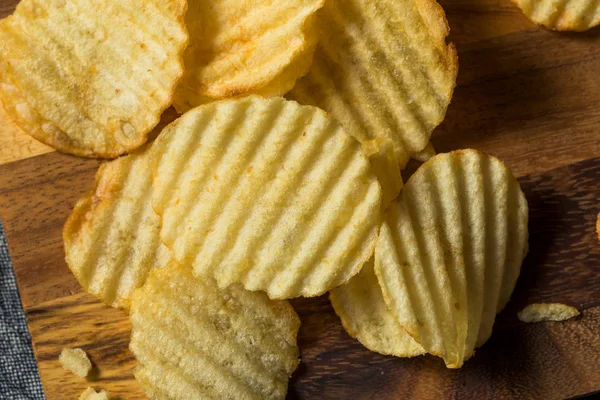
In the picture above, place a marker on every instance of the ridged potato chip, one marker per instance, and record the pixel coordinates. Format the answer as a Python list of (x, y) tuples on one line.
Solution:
[(193, 340), (539, 312), (266, 193), (112, 236), (383, 69), (239, 48), (91, 77), (450, 251), (359, 304), (562, 15)]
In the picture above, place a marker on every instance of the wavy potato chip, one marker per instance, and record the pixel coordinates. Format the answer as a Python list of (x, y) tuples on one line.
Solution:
[(92, 77), (193, 340), (248, 47), (450, 251), (562, 15), (539, 312), (91, 394), (266, 193), (76, 361), (112, 236), (359, 304), (383, 69)]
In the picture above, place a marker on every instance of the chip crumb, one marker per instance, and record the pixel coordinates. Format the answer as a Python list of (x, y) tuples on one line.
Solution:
[(76, 361), (91, 394), (538, 312)]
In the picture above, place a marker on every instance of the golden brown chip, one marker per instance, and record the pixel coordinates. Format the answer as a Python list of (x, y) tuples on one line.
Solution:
[(383, 69), (266, 193), (562, 15), (450, 251), (359, 304), (538, 312), (193, 340), (76, 361), (91, 77), (239, 48), (112, 236)]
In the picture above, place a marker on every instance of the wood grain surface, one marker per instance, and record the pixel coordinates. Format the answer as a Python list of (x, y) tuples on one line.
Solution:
[(526, 95)]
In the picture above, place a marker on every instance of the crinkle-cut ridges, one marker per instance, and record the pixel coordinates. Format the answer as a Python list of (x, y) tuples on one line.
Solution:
[(575, 15), (444, 191), (411, 132), (196, 307), (431, 253), (221, 359), (104, 137), (472, 202), (108, 270), (338, 161), (271, 33), (427, 187)]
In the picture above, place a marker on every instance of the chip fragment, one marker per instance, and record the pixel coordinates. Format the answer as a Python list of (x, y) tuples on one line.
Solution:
[(248, 47), (450, 251), (76, 361), (562, 15), (266, 193), (359, 304), (112, 237), (538, 312), (91, 77), (194, 340), (383, 69), (91, 394)]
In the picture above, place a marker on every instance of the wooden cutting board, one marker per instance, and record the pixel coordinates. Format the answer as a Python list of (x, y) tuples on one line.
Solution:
[(526, 95)]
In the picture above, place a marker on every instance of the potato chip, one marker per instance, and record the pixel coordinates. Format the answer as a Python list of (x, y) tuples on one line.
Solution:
[(538, 312), (266, 193), (193, 340), (426, 154), (91, 77), (450, 251), (239, 48), (76, 361), (383, 69), (562, 15), (91, 394), (112, 236), (385, 165), (359, 304)]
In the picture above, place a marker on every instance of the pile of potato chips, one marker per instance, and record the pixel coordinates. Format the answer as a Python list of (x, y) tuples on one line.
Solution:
[(249, 198)]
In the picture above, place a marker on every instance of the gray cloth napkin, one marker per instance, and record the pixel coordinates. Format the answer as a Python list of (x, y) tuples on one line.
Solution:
[(19, 377)]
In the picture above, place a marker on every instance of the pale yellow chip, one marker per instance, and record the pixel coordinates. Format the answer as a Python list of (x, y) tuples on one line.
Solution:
[(450, 251), (383, 69), (562, 15), (91, 394), (538, 312), (239, 48), (76, 361), (266, 193), (112, 237), (91, 77), (359, 304), (385, 165), (193, 340), (426, 154)]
